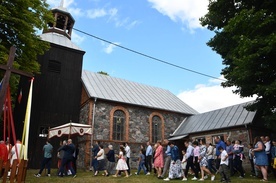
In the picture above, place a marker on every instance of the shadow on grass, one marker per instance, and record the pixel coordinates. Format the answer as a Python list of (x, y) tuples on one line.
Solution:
[(87, 176)]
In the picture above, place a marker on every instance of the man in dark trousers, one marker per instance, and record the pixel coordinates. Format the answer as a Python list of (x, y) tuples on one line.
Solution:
[(190, 159), (67, 159), (219, 143), (149, 158), (95, 150), (46, 162)]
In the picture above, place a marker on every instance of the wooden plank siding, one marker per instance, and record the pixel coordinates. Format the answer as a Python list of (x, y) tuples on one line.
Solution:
[(56, 97)]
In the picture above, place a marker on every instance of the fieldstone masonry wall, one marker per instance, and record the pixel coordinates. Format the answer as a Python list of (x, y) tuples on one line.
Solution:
[(138, 132)]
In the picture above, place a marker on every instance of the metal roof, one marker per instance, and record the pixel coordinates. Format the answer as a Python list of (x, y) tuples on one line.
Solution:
[(124, 91), (235, 115), (59, 39)]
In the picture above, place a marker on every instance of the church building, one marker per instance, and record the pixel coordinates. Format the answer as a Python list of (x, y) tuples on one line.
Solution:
[(118, 110), (124, 111)]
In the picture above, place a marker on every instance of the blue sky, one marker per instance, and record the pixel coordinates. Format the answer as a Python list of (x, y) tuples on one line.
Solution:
[(168, 30)]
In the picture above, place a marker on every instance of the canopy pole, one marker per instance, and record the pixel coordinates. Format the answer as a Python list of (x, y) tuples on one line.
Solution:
[(92, 129)]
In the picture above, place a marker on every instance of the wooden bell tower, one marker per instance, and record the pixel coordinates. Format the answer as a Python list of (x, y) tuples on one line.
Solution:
[(57, 89)]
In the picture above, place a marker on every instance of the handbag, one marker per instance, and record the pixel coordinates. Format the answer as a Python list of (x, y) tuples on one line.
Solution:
[(274, 163)]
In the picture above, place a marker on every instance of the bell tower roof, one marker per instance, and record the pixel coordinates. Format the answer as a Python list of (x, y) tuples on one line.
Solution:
[(63, 21)]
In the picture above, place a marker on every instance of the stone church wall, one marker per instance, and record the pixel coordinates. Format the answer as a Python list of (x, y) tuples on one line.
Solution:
[(138, 126)]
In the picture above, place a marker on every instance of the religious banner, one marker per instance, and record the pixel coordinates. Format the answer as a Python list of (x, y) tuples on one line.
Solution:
[(70, 129), (25, 138)]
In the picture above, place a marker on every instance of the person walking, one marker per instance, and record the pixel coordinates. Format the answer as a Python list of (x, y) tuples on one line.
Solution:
[(148, 161), (167, 158), (261, 158), (60, 153), (17, 151), (121, 165), (101, 161), (127, 150), (190, 158), (47, 159), (210, 158), (224, 168), (195, 160), (219, 143), (229, 149), (203, 162), (141, 163), (184, 164), (159, 159), (175, 171), (67, 159), (95, 149), (110, 156), (238, 156)]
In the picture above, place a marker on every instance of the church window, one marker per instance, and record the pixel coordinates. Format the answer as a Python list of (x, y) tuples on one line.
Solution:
[(156, 129), (54, 66), (119, 125)]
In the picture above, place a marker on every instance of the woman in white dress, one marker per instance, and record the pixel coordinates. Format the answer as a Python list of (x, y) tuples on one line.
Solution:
[(121, 165)]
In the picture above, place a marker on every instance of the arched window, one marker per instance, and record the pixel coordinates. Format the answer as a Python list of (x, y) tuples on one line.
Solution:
[(156, 129), (119, 125)]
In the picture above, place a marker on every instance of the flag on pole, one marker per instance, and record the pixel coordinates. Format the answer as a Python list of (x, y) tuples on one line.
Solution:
[(25, 136), (19, 96)]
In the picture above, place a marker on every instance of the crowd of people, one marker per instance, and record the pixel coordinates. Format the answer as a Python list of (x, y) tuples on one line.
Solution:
[(197, 161)]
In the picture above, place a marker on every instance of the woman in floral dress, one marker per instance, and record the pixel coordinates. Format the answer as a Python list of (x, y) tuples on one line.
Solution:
[(159, 159)]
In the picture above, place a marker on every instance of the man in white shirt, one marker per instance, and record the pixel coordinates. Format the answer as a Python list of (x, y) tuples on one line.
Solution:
[(127, 149), (190, 158), (149, 158)]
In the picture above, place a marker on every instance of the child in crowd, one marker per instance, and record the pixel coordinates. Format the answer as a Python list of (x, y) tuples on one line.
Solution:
[(224, 168), (251, 159), (237, 147), (184, 164), (141, 162)]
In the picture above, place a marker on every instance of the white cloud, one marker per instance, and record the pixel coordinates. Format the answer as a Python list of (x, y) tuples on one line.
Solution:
[(212, 96), (187, 12), (77, 38), (76, 12), (132, 24), (68, 5), (96, 13), (57, 3), (108, 48)]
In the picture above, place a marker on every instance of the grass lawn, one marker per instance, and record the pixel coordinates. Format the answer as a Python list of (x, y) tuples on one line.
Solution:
[(87, 176)]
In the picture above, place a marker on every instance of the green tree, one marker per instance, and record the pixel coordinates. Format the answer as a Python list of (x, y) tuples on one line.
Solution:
[(245, 37), (19, 22), (103, 73)]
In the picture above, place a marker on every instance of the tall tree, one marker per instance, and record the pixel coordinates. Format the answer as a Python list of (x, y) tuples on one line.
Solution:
[(245, 37), (19, 22)]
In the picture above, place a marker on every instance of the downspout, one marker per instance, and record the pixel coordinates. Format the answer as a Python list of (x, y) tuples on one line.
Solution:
[(92, 129)]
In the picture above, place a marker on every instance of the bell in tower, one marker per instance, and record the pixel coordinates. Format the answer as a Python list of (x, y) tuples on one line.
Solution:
[(63, 23)]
